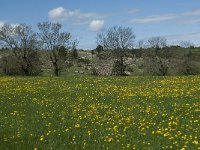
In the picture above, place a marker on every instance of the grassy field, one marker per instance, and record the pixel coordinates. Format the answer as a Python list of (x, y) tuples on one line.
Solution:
[(99, 113)]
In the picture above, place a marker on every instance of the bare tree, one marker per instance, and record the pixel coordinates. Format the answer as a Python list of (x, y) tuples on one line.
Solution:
[(158, 57), (118, 40), (141, 44), (157, 42), (186, 44), (52, 39), (23, 42)]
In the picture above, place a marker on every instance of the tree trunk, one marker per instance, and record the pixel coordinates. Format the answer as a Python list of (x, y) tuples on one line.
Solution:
[(122, 66), (26, 67), (56, 69)]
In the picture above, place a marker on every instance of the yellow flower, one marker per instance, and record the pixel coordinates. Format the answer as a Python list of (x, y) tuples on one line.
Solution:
[(110, 139), (77, 125), (195, 142), (42, 138)]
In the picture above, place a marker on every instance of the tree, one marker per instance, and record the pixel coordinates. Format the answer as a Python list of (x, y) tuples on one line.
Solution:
[(186, 44), (157, 42), (141, 44), (52, 39), (158, 57), (99, 49), (187, 65), (74, 52), (117, 39), (23, 42)]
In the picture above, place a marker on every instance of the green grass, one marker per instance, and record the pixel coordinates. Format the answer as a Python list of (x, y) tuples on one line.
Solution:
[(99, 113)]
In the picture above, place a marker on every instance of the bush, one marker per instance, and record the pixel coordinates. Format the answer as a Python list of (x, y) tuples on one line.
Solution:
[(94, 71), (11, 65), (118, 68), (84, 60), (104, 55)]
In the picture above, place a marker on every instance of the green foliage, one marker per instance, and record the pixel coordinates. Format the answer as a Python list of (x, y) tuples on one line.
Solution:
[(23, 43), (55, 42), (187, 66), (74, 54), (84, 60), (118, 68), (63, 52), (99, 49), (104, 55), (11, 65)]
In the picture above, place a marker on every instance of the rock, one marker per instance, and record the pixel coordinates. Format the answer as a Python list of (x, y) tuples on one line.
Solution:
[(103, 70), (88, 68), (127, 73)]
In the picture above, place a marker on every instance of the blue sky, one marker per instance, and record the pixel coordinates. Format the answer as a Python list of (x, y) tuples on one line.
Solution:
[(177, 20)]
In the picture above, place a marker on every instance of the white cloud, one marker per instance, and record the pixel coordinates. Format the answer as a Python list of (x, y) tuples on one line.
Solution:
[(61, 14), (96, 25), (192, 13), (184, 17), (187, 36), (58, 13), (153, 19), (93, 20), (133, 11), (189, 21)]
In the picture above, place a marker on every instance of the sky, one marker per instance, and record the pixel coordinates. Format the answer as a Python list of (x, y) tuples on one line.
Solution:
[(176, 20)]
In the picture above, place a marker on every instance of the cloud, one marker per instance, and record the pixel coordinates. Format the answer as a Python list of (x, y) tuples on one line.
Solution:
[(184, 17), (58, 13), (190, 21), (61, 14), (153, 19), (133, 11), (192, 13), (93, 20), (187, 36), (96, 25)]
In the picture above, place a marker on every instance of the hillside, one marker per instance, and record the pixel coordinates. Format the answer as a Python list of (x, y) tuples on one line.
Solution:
[(88, 60)]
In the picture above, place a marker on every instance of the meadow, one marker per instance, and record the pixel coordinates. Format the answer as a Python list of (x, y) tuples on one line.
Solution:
[(87, 112)]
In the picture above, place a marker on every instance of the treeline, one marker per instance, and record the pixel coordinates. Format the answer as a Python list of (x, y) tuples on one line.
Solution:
[(156, 57), (23, 48), (24, 45)]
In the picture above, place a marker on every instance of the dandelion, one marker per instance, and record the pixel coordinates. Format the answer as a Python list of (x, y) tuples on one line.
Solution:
[(42, 138), (110, 139), (195, 142), (77, 125)]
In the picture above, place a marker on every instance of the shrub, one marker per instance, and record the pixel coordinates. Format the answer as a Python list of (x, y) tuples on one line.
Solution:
[(11, 65)]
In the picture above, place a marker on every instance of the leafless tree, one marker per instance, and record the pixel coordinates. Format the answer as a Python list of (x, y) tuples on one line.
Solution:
[(23, 42), (117, 39), (157, 42), (158, 57), (141, 44), (186, 44), (52, 39)]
